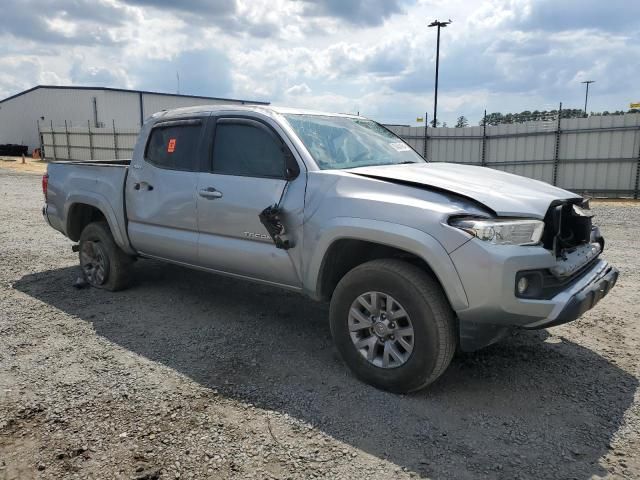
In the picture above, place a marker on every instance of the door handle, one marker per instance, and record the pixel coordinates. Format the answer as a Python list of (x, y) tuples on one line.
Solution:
[(210, 193), (142, 185)]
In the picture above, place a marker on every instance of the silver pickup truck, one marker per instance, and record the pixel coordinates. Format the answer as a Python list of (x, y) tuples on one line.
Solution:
[(417, 258)]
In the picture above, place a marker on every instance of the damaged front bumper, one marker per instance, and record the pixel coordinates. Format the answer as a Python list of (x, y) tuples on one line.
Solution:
[(489, 273), (582, 296)]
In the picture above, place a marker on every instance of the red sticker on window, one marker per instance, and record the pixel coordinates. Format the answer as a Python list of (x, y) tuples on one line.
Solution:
[(172, 145)]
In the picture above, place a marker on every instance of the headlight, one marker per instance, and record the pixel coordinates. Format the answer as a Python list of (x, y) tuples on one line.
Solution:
[(502, 232)]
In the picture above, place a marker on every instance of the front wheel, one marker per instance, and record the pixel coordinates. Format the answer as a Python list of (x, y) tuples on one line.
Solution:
[(393, 325), (103, 263)]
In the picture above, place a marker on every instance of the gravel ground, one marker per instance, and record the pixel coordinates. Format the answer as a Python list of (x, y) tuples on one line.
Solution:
[(190, 375)]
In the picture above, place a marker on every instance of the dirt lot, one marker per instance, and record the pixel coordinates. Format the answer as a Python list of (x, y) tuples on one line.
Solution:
[(29, 165), (189, 375)]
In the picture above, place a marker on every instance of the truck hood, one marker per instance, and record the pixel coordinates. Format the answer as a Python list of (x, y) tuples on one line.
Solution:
[(504, 193)]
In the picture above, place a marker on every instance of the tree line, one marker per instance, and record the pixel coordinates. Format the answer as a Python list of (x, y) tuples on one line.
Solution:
[(497, 118)]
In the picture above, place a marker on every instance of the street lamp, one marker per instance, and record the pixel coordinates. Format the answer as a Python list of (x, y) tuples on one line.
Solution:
[(586, 94), (438, 24)]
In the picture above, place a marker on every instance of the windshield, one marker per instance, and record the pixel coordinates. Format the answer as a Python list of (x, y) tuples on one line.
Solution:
[(343, 142)]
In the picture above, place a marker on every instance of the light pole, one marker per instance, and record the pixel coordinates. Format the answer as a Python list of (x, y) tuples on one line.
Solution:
[(586, 94), (438, 24)]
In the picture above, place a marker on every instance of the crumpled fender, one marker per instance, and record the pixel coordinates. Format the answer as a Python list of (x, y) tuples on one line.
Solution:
[(403, 237)]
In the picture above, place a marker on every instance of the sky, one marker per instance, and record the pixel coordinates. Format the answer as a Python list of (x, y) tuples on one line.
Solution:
[(376, 57)]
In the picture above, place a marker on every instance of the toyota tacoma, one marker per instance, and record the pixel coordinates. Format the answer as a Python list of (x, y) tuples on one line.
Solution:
[(417, 258)]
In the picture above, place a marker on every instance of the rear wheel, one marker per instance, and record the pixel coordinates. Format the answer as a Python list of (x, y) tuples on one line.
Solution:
[(393, 325), (103, 263)]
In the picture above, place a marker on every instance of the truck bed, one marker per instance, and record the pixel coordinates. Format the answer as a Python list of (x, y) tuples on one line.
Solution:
[(98, 183)]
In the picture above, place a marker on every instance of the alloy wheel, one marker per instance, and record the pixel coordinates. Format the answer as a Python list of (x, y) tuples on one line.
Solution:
[(381, 329)]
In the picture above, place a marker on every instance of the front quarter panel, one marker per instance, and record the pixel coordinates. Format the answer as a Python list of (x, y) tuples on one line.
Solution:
[(398, 236), (340, 205)]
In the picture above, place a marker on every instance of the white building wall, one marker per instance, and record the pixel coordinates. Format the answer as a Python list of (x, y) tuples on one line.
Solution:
[(121, 108), (19, 115)]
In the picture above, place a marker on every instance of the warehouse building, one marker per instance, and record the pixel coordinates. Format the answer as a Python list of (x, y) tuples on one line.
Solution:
[(22, 115)]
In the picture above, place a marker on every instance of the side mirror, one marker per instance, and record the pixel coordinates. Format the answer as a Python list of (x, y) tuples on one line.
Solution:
[(289, 174), (291, 169)]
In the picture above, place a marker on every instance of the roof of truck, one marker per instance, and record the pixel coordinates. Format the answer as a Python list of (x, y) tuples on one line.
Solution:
[(265, 109)]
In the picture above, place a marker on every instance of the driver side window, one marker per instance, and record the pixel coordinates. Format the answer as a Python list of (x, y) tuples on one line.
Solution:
[(242, 149)]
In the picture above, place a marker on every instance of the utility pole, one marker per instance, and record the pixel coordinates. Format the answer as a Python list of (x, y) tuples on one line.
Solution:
[(586, 95), (438, 24)]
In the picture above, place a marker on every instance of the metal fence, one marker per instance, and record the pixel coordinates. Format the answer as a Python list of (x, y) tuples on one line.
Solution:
[(86, 142), (597, 156)]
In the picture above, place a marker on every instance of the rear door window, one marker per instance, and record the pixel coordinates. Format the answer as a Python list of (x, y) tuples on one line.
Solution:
[(243, 149), (174, 146)]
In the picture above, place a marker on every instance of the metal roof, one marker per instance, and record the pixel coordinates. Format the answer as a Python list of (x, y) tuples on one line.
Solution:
[(110, 89)]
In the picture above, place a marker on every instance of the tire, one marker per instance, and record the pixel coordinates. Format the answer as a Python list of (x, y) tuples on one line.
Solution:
[(428, 312), (98, 249)]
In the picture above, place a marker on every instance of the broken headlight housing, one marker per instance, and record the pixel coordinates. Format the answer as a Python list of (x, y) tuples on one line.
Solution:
[(501, 231)]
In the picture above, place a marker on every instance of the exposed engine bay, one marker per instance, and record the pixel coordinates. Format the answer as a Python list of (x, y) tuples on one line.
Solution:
[(568, 225), (570, 235)]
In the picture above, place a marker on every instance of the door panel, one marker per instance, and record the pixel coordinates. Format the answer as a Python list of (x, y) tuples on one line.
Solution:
[(232, 239), (248, 164), (161, 193), (163, 221)]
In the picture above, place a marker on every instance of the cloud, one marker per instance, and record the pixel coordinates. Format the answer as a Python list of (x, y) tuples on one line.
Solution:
[(99, 76), (227, 15), (300, 89), (372, 56), (356, 12), (31, 70), (385, 59), (202, 72), (81, 22), (206, 8), (554, 15)]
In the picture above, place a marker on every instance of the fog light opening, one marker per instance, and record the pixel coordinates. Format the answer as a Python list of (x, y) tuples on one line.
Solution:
[(523, 284)]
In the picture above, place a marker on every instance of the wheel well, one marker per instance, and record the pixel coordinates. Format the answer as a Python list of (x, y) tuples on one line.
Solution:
[(346, 254), (80, 215)]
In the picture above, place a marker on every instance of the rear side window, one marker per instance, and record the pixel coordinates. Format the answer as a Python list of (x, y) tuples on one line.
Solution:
[(174, 147), (245, 150)]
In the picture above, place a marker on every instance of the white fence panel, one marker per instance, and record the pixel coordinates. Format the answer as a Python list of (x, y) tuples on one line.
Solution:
[(597, 156), (62, 142)]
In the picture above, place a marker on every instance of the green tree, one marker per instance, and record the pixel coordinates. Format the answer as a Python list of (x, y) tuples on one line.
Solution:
[(462, 122), (497, 118)]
